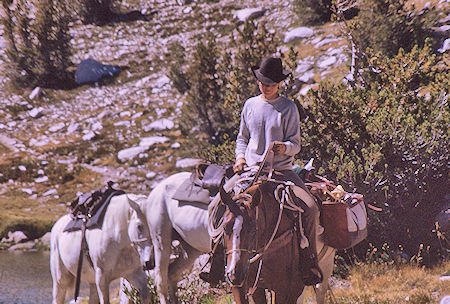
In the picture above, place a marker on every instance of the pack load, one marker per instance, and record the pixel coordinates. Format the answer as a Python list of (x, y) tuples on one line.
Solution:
[(343, 214)]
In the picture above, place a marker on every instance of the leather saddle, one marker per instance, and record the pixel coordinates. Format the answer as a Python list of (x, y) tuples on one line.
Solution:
[(91, 207)]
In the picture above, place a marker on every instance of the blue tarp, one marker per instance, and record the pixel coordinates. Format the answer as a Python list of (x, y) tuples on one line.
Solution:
[(90, 70)]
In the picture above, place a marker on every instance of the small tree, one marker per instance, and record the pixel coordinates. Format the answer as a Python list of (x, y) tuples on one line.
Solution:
[(312, 12), (387, 25), (38, 49), (384, 27), (218, 84), (95, 11)]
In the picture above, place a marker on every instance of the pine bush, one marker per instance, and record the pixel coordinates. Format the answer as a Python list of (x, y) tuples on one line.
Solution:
[(217, 83), (387, 25), (388, 139), (38, 46), (95, 11), (313, 12)]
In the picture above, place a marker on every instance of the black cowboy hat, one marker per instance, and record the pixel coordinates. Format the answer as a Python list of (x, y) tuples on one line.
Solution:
[(270, 71)]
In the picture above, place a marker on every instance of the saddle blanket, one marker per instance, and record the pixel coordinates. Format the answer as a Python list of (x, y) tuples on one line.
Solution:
[(192, 191)]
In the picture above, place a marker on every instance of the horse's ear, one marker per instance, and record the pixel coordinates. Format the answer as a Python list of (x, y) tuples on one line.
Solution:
[(135, 206), (228, 201)]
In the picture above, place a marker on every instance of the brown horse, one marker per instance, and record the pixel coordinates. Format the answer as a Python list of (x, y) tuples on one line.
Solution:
[(262, 244)]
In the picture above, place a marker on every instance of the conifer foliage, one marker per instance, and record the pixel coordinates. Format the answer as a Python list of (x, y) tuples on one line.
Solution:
[(95, 11), (38, 43), (217, 83), (385, 26), (313, 12), (388, 139)]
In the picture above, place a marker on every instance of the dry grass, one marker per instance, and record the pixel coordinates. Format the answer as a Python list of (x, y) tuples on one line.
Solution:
[(372, 283)]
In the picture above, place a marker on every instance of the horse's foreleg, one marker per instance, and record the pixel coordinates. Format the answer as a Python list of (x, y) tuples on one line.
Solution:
[(259, 296), (162, 249), (184, 262), (239, 295), (102, 281), (93, 295), (59, 293), (62, 282), (326, 265)]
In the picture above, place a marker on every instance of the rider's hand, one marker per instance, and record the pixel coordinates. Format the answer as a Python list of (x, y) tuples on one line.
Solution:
[(239, 165), (278, 148)]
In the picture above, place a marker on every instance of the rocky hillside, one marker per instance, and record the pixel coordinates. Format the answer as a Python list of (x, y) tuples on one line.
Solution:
[(55, 144)]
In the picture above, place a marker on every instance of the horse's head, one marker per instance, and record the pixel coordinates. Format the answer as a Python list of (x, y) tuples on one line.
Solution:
[(239, 235), (139, 234)]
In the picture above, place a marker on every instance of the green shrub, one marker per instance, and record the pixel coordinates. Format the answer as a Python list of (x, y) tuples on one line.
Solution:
[(388, 25), (95, 11), (388, 139), (312, 12), (217, 84), (38, 49)]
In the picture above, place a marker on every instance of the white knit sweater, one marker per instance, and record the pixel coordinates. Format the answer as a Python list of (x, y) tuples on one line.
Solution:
[(264, 121)]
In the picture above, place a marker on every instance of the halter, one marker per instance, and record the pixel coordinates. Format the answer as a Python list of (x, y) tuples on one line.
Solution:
[(135, 243)]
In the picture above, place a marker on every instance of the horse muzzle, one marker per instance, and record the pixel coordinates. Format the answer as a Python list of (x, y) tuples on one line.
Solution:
[(148, 265)]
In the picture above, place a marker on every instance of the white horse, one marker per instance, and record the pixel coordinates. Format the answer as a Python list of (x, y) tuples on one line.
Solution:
[(190, 220), (119, 249)]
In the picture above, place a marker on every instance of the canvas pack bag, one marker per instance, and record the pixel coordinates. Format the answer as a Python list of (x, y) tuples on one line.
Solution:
[(343, 214)]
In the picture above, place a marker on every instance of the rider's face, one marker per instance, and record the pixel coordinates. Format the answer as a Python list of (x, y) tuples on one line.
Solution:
[(269, 91)]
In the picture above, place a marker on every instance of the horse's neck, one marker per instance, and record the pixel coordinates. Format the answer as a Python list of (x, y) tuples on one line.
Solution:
[(268, 212), (116, 215)]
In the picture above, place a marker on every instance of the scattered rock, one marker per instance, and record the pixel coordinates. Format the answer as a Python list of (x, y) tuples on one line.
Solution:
[(89, 135), (162, 81), (42, 179), (122, 123), (92, 71), (9, 143), (57, 127), (74, 126), (45, 239), (23, 246), (49, 192), (297, 33), (150, 175), (303, 67), (130, 153), (327, 62), (27, 190), (15, 237), (307, 77), (175, 145), (161, 124), (187, 162), (151, 140), (445, 46), (305, 90), (36, 112), (37, 92), (249, 13)]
